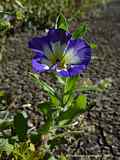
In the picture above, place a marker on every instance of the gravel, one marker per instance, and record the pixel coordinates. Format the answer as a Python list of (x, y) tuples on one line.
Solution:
[(104, 141)]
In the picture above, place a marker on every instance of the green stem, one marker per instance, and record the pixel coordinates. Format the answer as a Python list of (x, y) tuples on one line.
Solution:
[(62, 98), (66, 133), (63, 93), (67, 99)]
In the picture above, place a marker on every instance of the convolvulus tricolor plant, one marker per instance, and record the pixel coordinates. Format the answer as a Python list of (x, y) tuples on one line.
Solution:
[(66, 55)]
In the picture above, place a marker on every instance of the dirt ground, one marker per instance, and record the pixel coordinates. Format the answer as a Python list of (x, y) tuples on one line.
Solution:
[(101, 139)]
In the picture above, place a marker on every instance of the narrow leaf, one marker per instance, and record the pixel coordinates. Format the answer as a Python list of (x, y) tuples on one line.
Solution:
[(47, 88), (70, 84), (80, 31), (19, 4), (69, 90), (61, 80), (46, 108), (61, 23)]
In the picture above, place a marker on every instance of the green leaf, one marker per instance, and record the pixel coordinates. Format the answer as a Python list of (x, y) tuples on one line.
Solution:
[(78, 107), (2, 93), (69, 90), (20, 125), (19, 15), (5, 124), (4, 25), (34, 137), (46, 127), (80, 31), (52, 158), (46, 108), (54, 101), (43, 85), (61, 80), (93, 45), (19, 4), (104, 84), (62, 157), (61, 23), (14, 139), (66, 117), (70, 84), (81, 103), (5, 146), (99, 86), (55, 142), (92, 88)]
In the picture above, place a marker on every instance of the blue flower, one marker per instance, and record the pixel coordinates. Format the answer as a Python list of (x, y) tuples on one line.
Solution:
[(57, 51)]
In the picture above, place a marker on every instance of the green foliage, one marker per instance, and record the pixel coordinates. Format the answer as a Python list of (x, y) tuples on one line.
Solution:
[(61, 80), (69, 90), (62, 157), (70, 84), (60, 112), (99, 86), (19, 15), (104, 84), (52, 158), (62, 23), (4, 25), (48, 110), (42, 13), (47, 126), (79, 106), (20, 126), (80, 31), (45, 107), (35, 137), (2, 93), (56, 115), (23, 151), (81, 103), (81, 9), (43, 85), (93, 45), (5, 146), (5, 124)]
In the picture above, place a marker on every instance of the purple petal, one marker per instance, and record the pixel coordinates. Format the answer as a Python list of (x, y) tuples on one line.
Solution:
[(38, 44), (38, 66), (54, 41), (58, 39), (78, 51), (72, 71), (58, 35)]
